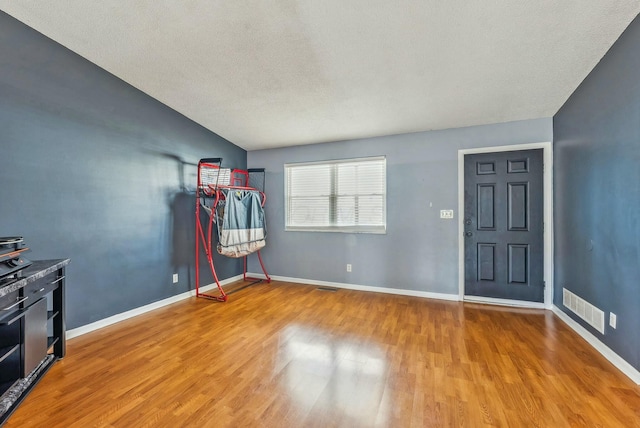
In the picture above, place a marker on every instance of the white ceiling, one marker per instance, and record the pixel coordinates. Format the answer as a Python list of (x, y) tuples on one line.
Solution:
[(271, 74)]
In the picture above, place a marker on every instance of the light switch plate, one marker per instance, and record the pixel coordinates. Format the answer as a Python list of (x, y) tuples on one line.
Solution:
[(446, 213)]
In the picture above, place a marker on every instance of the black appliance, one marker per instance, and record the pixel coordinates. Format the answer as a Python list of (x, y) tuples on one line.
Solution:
[(12, 260)]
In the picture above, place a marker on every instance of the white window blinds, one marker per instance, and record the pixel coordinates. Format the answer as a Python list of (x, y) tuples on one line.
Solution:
[(336, 196)]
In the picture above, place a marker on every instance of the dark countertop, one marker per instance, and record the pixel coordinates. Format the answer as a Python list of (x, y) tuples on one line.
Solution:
[(39, 269)]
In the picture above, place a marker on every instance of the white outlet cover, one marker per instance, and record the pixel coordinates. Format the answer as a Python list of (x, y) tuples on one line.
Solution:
[(175, 278), (613, 320)]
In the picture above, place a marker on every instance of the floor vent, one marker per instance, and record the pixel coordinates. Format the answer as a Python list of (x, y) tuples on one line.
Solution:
[(584, 309), (331, 289)]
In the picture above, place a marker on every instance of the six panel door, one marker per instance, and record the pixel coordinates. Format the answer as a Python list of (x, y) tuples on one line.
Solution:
[(503, 225)]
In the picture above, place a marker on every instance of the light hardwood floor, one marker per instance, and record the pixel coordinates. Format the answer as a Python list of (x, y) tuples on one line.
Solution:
[(288, 355)]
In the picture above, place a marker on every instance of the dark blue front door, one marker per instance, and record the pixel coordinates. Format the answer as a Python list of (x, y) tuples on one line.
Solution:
[(503, 219)]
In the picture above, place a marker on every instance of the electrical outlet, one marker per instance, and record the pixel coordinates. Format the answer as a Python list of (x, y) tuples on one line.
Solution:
[(175, 278), (348, 267), (613, 319), (446, 213)]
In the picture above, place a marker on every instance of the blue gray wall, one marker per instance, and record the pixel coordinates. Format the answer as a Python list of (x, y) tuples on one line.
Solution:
[(597, 194), (420, 250), (94, 170)]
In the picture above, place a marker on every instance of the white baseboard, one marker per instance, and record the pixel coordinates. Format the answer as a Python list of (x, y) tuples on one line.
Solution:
[(79, 331), (606, 352), (401, 292)]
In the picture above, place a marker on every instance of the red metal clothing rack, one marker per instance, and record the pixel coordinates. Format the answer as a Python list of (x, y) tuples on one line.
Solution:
[(213, 184)]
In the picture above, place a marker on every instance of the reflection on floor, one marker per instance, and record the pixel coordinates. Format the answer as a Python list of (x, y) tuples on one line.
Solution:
[(328, 373)]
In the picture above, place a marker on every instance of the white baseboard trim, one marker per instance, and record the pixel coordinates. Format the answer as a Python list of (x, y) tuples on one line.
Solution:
[(505, 302), (88, 328), (606, 352), (398, 291)]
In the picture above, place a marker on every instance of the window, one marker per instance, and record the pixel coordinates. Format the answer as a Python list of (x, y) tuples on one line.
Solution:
[(336, 196)]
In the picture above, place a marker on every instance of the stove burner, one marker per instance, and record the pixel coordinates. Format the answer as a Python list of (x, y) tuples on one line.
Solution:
[(11, 257)]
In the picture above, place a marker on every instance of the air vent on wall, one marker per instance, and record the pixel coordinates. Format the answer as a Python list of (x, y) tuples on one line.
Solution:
[(585, 310)]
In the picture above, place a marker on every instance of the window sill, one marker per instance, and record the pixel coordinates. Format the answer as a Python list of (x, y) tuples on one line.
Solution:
[(368, 230)]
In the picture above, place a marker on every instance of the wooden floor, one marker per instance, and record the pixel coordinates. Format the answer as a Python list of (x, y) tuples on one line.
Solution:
[(287, 355)]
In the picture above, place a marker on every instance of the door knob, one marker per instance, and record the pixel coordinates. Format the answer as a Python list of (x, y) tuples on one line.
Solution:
[(467, 222), (468, 233)]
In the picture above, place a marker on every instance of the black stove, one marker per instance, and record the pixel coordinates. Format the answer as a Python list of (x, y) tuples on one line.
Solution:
[(12, 260)]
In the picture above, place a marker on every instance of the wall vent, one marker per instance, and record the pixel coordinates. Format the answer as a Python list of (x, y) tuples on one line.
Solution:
[(585, 310)]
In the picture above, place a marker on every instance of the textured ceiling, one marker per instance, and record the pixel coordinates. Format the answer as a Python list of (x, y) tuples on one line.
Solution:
[(271, 74)]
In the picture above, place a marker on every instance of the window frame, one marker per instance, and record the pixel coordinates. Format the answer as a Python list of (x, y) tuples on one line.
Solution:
[(333, 197)]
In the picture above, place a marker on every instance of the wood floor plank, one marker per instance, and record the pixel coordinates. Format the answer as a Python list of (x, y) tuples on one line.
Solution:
[(289, 355)]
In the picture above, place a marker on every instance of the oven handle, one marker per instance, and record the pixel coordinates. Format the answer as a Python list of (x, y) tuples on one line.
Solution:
[(16, 303), (57, 280)]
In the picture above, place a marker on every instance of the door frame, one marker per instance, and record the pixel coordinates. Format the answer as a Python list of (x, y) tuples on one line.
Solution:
[(547, 174)]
